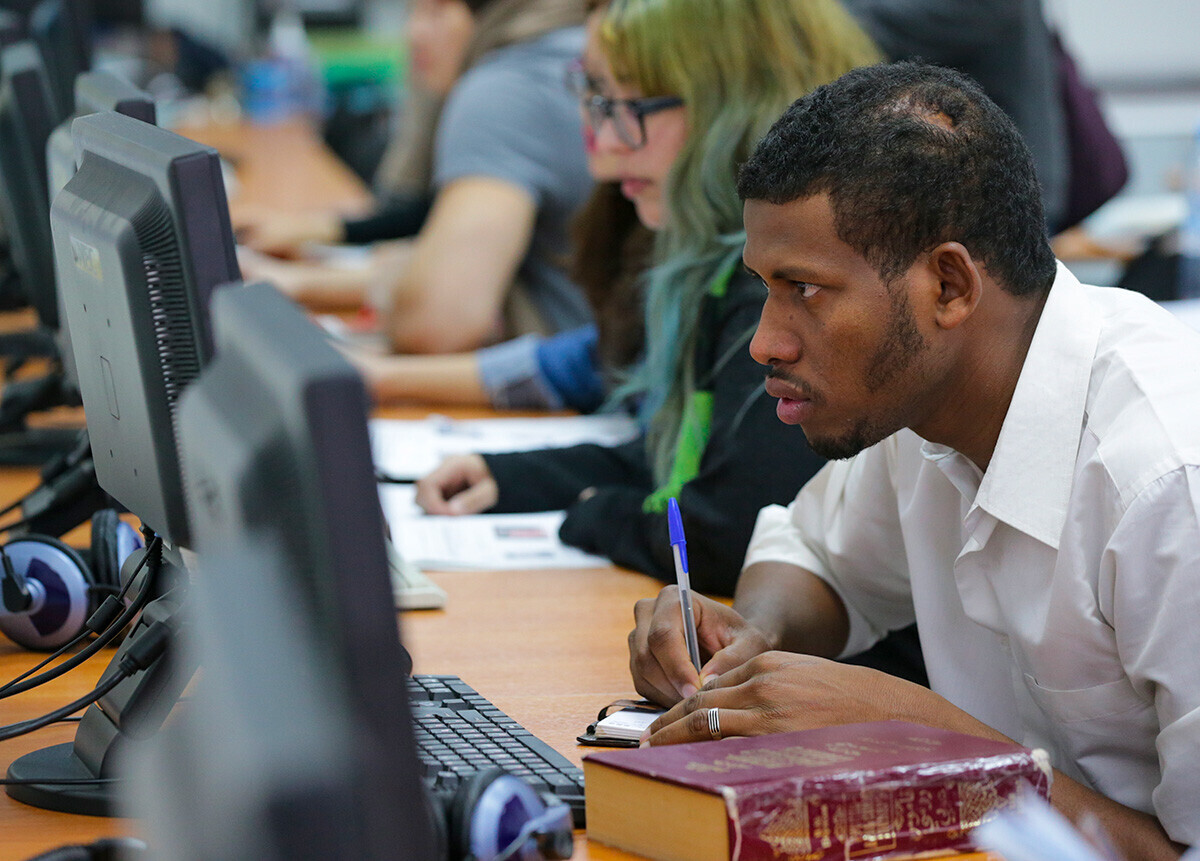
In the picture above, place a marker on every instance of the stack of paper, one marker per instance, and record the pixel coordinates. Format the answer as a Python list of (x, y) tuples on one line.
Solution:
[(481, 541), (626, 724)]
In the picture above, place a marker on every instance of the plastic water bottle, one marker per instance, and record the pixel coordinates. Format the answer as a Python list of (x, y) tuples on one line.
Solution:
[(289, 46), (1189, 231), (285, 82)]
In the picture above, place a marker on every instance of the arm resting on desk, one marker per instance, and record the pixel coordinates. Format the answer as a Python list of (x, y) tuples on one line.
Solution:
[(450, 295)]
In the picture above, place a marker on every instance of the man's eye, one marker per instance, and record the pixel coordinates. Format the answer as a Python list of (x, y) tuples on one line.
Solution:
[(807, 291)]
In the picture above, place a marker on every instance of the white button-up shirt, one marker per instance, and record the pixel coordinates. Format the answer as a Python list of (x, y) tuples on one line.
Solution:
[(1057, 594)]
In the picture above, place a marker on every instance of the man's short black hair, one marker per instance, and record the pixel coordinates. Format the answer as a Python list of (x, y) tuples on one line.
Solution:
[(911, 155)]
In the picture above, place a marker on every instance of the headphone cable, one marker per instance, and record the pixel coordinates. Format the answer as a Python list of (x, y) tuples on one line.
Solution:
[(141, 654), (23, 683)]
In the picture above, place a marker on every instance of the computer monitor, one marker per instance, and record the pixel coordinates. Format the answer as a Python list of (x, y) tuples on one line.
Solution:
[(95, 91), (142, 238), (63, 30), (296, 741), (27, 116)]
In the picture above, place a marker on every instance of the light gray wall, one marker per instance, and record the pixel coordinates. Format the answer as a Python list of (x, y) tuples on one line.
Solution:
[(1144, 58), (225, 23), (1120, 43)]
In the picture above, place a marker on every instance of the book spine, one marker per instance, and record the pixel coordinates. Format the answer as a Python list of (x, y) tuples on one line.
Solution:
[(869, 816)]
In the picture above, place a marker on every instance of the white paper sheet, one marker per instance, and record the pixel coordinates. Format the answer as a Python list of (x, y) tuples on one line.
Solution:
[(494, 542), (410, 449)]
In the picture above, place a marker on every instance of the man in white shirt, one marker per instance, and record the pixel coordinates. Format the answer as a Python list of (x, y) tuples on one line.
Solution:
[(1020, 473)]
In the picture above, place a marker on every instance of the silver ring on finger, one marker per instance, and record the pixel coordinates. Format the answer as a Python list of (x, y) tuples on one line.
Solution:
[(714, 723)]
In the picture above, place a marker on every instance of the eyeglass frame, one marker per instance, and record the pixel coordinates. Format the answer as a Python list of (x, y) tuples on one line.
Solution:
[(600, 108)]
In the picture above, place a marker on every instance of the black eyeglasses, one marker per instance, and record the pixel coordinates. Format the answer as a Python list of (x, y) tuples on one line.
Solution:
[(628, 115)]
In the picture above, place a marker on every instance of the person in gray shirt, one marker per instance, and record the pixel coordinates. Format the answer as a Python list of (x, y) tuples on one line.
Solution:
[(512, 118), (493, 137)]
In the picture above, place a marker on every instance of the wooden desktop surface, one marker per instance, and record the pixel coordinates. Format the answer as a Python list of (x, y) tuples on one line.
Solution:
[(547, 647), (283, 165)]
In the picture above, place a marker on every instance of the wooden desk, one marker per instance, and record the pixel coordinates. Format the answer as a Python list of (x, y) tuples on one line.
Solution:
[(283, 166)]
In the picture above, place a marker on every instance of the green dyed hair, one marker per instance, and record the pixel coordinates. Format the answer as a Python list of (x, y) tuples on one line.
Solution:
[(737, 64)]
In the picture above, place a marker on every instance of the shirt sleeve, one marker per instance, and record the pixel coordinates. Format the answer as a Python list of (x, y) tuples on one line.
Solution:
[(494, 125), (398, 217), (512, 377), (543, 372), (552, 479), (1150, 593), (844, 527)]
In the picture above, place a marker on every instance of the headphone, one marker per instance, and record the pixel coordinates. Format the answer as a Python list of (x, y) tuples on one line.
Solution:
[(496, 816), (50, 589)]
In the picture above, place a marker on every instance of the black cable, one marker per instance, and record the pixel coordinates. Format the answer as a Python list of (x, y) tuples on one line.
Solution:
[(382, 478), (28, 726), (16, 524), (140, 655), (54, 470), (58, 781), (23, 683), (92, 624)]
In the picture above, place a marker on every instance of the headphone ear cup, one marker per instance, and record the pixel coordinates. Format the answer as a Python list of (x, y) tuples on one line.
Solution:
[(461, 809), (488, 813), (112, 541), (103, 552), (66, 580)]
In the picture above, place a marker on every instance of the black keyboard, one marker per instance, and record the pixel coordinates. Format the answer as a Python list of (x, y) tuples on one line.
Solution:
[(459, 732)]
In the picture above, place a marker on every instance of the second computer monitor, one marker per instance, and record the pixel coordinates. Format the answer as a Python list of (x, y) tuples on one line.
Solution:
[(27, 116), (95, 91), (278, 463), (63, 30), (141, 239)]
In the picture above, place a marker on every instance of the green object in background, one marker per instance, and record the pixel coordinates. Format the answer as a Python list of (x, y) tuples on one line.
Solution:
[(349, 58)]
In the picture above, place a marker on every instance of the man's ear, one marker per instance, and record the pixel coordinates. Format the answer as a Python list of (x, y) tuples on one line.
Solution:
[(960, 283)]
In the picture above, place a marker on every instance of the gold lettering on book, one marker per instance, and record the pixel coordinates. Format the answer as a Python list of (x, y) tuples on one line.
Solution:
[(873, 821), (788, 757), (833, 753), (977, 799), (787, 830)]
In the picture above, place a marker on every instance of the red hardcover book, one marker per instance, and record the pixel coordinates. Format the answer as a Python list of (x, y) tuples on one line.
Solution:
[(863, 791)]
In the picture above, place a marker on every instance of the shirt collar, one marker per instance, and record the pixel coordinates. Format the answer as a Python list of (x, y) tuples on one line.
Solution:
[(1029, 478)]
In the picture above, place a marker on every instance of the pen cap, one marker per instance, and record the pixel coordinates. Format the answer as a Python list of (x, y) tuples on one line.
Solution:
[(675, 529)]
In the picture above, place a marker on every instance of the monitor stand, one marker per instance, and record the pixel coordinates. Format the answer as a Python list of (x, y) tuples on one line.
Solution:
[(134, 709)]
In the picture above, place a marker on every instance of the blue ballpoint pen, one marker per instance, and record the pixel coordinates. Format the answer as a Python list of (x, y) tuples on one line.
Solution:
[(679, 550)]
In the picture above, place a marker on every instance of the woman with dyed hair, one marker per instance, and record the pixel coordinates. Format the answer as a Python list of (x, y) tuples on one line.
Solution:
[(686, 89)]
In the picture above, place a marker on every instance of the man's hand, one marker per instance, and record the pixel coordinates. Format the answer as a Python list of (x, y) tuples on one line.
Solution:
[(463, 484), (658, 657), (781, 692)]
